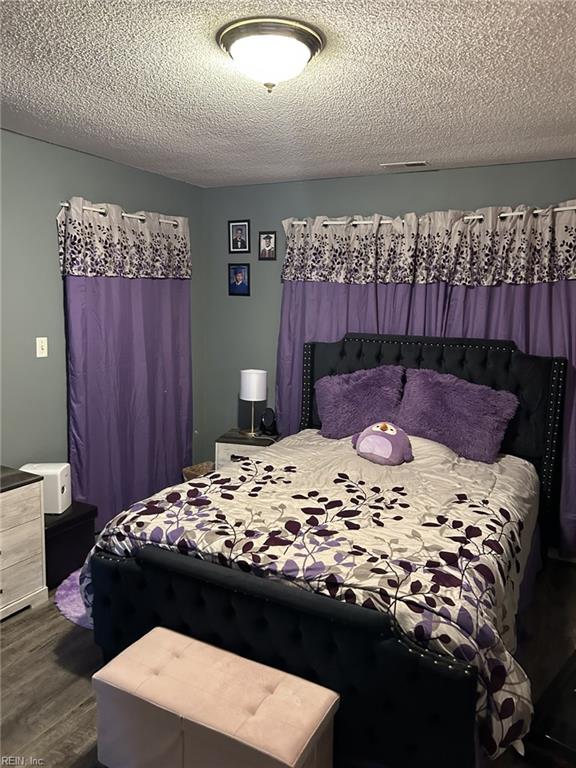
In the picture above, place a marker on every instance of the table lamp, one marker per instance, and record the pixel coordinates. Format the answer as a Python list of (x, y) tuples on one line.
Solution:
[(252, 389)]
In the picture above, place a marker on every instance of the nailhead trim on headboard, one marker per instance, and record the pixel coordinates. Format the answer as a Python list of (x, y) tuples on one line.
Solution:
[(553, 447)]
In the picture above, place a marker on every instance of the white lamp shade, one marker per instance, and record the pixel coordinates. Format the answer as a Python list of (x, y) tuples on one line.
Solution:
[(253, 385)]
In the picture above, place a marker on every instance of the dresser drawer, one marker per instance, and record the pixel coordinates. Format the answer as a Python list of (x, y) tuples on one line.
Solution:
[(225, 451), (20, 543), (20, 505), (20, 580)]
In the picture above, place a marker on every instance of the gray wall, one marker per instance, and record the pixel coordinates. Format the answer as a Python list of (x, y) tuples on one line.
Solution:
[(228, 333), (35, 177), (243, 331)]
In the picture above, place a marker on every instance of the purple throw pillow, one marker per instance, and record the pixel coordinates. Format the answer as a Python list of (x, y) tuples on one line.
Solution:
[(350, 402), (471, 419)]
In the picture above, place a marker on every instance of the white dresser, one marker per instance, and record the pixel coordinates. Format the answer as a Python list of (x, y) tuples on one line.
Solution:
[(22, 561)]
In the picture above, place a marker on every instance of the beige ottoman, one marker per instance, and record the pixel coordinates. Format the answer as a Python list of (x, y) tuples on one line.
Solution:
[(169, 701)]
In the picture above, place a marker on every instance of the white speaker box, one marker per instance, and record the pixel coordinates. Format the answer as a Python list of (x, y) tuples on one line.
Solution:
[(56, 485)]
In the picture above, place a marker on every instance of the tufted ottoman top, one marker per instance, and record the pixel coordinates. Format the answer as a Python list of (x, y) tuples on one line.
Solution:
[(272, 712)]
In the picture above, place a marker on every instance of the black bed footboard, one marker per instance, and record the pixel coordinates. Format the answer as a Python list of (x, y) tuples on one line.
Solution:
[(400, 707)]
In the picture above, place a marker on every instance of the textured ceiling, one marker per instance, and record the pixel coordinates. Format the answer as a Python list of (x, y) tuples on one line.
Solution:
[(454, 82)]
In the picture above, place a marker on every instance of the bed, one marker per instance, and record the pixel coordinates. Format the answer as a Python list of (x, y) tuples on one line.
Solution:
[(395, 586)]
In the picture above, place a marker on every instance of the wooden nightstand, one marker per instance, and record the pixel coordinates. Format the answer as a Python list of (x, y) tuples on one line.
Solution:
[(236, 443)]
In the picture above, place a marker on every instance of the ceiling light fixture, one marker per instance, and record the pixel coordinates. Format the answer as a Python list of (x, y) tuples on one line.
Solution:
[(270, 50)]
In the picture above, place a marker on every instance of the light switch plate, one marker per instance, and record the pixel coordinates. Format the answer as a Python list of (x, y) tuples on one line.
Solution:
[(41, 346)]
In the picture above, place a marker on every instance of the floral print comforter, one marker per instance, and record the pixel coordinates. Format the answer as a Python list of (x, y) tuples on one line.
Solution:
[(441, 543)]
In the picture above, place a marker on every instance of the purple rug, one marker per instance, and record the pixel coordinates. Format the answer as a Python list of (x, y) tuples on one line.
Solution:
[(69, 602)]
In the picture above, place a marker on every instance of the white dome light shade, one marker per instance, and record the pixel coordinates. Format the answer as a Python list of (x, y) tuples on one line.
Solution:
[(270, 50), (270, 59)]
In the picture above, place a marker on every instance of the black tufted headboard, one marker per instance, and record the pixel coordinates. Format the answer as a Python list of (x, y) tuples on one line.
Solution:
[(534, 434)]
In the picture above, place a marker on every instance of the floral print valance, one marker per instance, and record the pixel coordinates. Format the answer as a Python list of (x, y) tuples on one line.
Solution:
[(104, 243), (445, 246)]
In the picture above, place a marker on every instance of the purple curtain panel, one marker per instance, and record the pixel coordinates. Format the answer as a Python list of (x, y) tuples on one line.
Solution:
[(129, 387), (315, 312), (540, 318)]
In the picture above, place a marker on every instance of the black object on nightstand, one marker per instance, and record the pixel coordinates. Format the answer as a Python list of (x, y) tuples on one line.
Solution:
[(69, 537), (238, 437)]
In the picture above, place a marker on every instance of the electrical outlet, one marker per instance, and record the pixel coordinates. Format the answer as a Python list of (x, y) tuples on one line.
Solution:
[(41, 346)]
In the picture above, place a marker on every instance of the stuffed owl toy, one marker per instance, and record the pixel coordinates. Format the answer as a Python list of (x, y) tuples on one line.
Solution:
[(383, 443)]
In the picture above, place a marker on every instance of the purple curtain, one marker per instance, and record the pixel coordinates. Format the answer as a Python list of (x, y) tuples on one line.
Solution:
[(315, 312), (540, 318), (129, 387)]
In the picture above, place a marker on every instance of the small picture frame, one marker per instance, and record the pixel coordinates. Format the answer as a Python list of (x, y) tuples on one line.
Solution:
[(267, 246), (238, 279), (239, 236)]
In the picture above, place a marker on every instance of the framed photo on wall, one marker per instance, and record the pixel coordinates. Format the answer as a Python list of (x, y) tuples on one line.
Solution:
[(267, 246), (238, 279), (239, 236)]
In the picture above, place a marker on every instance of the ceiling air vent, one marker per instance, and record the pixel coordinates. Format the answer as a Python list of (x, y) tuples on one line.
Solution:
[(404, 165)]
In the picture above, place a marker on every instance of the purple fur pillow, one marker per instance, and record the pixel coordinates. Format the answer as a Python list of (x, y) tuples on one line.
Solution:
[(350, 402), (471, 419)]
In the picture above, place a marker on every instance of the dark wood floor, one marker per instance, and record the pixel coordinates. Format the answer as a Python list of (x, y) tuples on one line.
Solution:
[(48, 710)]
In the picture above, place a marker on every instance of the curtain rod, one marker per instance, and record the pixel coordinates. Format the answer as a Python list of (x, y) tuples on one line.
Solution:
[(477, 217), (104, 212)]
